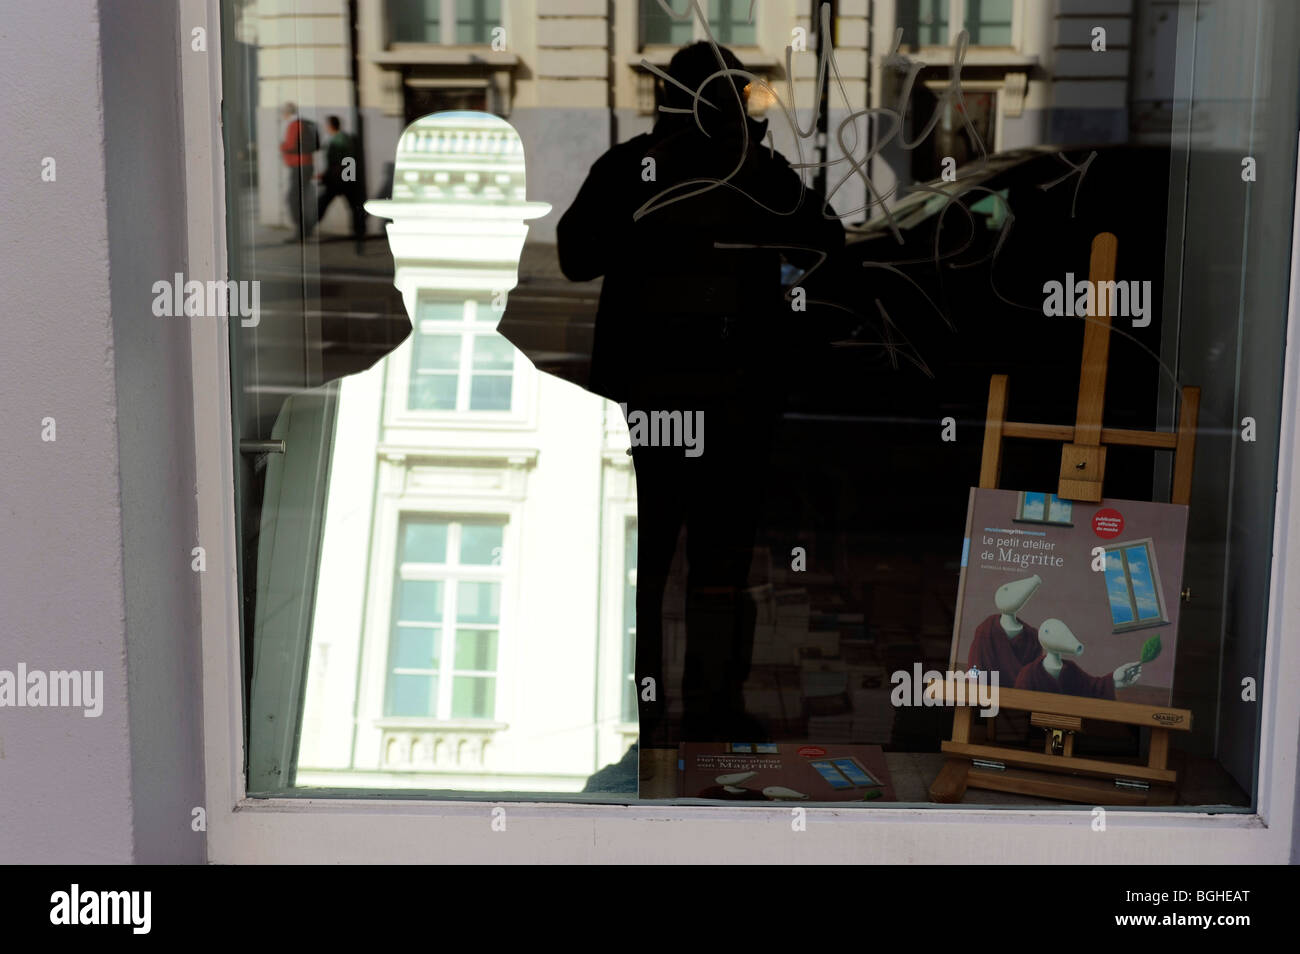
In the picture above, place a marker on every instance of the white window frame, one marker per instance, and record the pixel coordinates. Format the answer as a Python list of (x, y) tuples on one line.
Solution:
[(469, 327), (525, 382), (943, 53), (353, 830), (451, 575), (619, 506), (397, 500), (957, 23)]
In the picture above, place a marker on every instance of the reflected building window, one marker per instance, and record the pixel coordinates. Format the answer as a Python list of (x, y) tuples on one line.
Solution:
[(460, 362), (989, 22), (447, 612), (444, 22), (924, 22), (475, 20), (728, 22), (929, 22)]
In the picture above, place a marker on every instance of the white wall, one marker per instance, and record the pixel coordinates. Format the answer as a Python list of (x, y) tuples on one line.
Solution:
[(82, 583)]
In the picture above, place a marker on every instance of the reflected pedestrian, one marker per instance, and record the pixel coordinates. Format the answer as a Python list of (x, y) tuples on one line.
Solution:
[(301, 140), (340, 178)]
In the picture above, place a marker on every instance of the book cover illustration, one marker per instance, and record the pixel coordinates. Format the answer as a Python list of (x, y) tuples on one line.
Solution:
[(1071, 597), (783, 772)]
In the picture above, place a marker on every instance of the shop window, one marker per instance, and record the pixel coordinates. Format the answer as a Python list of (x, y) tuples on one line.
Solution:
[(858, 485)]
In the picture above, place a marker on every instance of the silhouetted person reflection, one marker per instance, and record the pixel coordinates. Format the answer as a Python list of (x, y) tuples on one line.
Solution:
[(685, 326), (340, 179)]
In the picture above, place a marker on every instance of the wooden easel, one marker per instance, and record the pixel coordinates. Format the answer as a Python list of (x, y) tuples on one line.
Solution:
[(1057, 772)]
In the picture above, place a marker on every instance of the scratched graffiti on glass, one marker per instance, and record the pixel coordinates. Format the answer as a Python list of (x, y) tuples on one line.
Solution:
[(882, 330)]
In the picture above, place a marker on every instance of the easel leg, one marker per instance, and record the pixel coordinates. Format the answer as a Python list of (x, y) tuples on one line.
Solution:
[(950, 785), (961, 720), (1158, 755)]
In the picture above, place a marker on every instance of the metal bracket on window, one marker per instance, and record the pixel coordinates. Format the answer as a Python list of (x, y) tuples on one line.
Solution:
[(988, 764), (1132, 783), (250, 446)]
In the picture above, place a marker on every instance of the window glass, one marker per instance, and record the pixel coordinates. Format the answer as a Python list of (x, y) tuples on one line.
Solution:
[(426, 542), (481, 543), (415, 647), (729, 20), (437, 352), (412, 694), (989, 22), (475, 697), (489, 393), (924, 22), (475, 20), (425, 21), (429, 308), (478, 602), (476, 649), (547, 487), (657, 26), (414, 21), (456, 367), (421, 599)]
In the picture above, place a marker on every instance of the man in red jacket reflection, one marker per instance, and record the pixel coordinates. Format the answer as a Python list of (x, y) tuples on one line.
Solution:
[(300, 142)]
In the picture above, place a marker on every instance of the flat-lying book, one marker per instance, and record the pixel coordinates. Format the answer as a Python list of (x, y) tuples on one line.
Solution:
[(783, 772)]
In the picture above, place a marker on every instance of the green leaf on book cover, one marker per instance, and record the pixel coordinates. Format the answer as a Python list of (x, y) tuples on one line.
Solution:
[(1151, 649)]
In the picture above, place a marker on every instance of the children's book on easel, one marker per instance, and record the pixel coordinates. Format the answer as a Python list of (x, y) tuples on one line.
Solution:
[(1071, 598)]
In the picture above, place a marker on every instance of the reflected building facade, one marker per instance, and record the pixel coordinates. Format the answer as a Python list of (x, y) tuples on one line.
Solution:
[(436, 661)]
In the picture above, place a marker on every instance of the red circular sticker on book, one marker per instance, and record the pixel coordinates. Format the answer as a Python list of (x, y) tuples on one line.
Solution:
[(1107, 523), (811, 751)]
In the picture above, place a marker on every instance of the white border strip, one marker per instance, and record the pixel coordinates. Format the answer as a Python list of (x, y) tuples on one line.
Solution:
[(205, 207), (1280, 716)]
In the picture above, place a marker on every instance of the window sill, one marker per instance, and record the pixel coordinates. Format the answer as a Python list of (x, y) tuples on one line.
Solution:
[(418, 745), (426, 724), (976, 56), (756, 60), (433, 54), (591, 829), (515, 456)]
